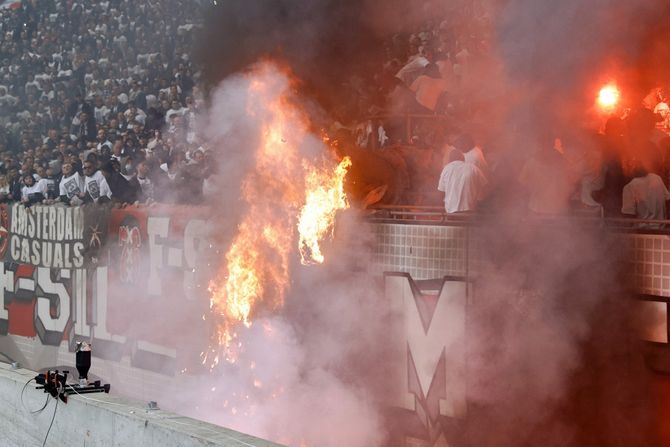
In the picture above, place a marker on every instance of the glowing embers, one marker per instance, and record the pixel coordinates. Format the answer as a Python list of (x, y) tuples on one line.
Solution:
[(289, 203), (608, 97), (324, 197)]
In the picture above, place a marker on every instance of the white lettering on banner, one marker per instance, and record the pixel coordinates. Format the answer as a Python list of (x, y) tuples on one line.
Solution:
[(80, 303), (100, 294), (60, 223), (62, 301), (47, 236), (174, 257), (48, 222), (6, 284), (31, 225), (194, 240), (61, 304), (156, 227), (25, 284), (78, 258), (100, 311), (14, 248), (445, 336)]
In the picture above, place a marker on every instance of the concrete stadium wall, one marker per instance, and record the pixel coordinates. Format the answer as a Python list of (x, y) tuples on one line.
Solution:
[(98, 420), (45, 310)]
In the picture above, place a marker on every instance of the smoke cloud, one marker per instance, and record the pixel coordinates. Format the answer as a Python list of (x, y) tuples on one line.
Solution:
[(556, 55), (311, 370), (554, 352), (323, 42), (553, 357)]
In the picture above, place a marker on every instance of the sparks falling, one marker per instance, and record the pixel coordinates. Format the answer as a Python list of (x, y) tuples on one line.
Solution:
[(290, 207)]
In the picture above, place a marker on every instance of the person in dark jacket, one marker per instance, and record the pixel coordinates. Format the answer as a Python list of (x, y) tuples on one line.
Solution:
[(84, 128), (15, 184), (122, 192)]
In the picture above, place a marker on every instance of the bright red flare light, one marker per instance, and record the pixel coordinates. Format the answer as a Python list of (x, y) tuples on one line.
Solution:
[(608, 97)]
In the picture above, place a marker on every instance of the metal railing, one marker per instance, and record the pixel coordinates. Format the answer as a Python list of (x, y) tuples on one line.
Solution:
[(411, 214)]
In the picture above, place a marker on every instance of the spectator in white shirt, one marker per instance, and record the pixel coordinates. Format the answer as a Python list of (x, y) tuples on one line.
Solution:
[(95, 185), (645, 196), (33, 192), (472, 153), (463, 184), (101, 111), (71, 185), (134, 113), (175, 109), (101, 140)]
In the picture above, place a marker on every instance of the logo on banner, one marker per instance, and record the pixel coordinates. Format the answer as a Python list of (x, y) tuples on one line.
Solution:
[(130, 241), (433, 344)]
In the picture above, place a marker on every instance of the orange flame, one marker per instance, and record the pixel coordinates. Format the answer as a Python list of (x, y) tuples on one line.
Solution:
[(256, 272), (325, 196)]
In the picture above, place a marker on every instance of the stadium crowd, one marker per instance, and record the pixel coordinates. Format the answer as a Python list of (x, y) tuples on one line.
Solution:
[(622, 171), (434, 85), (429, 74), (98, 102)]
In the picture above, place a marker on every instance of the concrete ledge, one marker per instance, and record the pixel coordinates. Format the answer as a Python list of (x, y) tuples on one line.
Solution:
[(99, 420)]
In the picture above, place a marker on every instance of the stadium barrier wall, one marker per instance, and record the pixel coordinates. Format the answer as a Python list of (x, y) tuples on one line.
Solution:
[(98, 420), (93, 273), (430, 274)]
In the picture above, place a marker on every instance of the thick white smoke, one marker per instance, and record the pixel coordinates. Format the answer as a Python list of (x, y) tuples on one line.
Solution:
[(547, 334), (306, 373), (553, 356)]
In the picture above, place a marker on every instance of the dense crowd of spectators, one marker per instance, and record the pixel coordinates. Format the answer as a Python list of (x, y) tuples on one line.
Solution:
[(431, 93), (98, 101), (429, 74), (623, 170)]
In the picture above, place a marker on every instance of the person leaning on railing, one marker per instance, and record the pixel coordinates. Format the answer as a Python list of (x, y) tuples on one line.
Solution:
[(33, 191), (645, 196), (71, 185)]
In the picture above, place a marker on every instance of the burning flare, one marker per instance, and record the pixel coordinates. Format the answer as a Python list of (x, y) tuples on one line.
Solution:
[(282, 185), (608, 97)]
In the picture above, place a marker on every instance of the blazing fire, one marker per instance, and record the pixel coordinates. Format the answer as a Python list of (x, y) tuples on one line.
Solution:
[(325, 195), (289, 203), (608, 97)]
